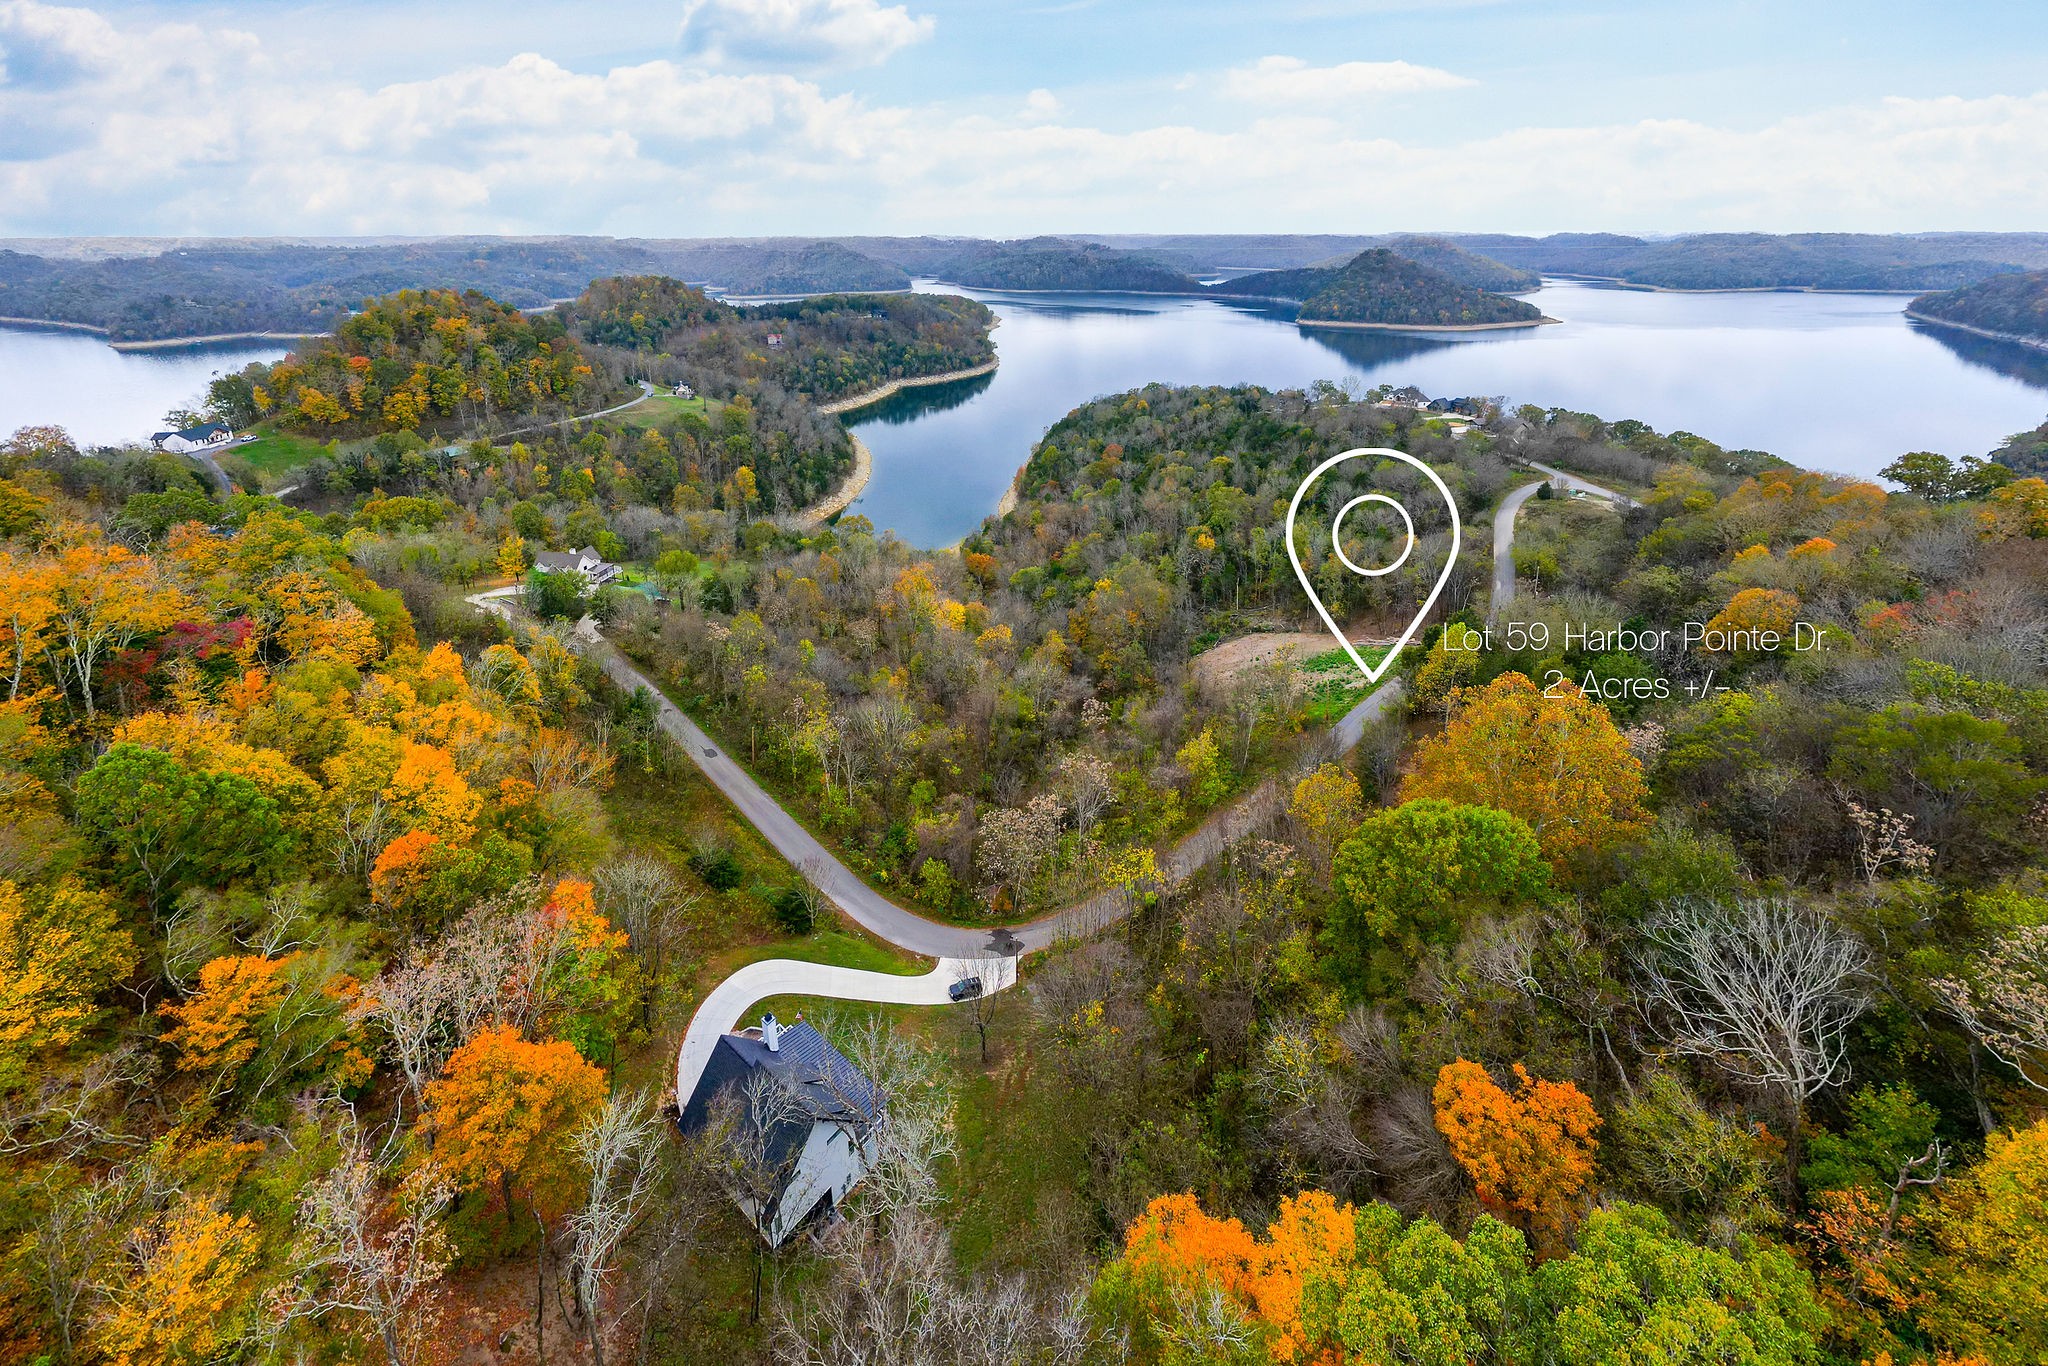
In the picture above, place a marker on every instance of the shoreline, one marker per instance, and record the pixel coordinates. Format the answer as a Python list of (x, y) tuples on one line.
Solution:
[(2014, 338), (897, 386), (151, 343), (51, 325), (1424, 327), (850, 488), (1619, 283), (171, 343)]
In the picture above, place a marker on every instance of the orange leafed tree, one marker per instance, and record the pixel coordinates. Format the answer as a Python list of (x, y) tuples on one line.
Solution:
[(1176, 1247), (216, 1028), (1528, 1154), (498, 1113), (1557, 761)]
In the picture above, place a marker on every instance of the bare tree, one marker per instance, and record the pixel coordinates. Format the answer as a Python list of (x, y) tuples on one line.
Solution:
[(641, 896), (1089, 784), (987, 969), (1310, 1103), (620, 1147), (1764, 989), (2005, 1005), (372, 1259)]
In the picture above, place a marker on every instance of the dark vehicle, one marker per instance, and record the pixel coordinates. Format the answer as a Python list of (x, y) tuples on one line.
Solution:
[(966, 989)]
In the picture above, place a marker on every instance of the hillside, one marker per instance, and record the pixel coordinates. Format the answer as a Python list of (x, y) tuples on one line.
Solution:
[(797, 267), (823, 347), (1435, 253), (1054, 263), (421, 361), (1849, 261), (1446, 257), (2012, 305), (1380, 288)]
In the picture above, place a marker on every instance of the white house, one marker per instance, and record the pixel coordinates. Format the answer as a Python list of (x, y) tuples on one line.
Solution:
[(595, 569), (820, 1139), (208, 436)]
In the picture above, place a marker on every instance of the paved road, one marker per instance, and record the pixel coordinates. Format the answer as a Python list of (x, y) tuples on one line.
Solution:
[(732, 1000), (904, 928), (954, 946), (646, 392), (1504, 528)]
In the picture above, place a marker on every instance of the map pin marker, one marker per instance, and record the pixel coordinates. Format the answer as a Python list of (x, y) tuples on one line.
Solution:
[(1373, 672)]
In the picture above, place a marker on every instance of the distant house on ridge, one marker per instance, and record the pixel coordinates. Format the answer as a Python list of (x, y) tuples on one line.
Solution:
[(821, 1134)]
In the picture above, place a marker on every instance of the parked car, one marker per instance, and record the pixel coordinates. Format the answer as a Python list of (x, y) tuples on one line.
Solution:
[(966, 989)]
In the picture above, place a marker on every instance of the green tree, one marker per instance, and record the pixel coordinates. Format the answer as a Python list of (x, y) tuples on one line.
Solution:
[(1413, 876), (554, 597), (164, 827)]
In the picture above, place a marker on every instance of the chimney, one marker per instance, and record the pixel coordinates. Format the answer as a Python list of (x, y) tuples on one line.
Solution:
[(771, 1033)]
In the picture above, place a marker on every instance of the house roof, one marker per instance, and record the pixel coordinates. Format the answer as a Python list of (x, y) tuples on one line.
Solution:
[(827, 1087), (568, 559), (205, 431)]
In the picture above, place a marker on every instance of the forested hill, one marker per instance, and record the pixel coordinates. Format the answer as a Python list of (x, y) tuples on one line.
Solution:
[(823, 348), (1446, 257), (2016, 305), (768, 268), (423, 361), (1768, 261), (299, 287), (1053, 263), (1381, 287), (1437, 253)]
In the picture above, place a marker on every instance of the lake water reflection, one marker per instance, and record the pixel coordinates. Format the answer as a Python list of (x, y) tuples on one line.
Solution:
[(1831, 381), (105, 397)]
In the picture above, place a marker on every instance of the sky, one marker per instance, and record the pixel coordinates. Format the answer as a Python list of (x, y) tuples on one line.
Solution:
[(1007, 118)]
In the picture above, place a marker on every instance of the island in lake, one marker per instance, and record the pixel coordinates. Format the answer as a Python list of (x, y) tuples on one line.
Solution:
[(1381, 289)]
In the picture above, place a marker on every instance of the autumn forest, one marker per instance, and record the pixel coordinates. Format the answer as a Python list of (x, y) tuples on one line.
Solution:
[(1575, 996)]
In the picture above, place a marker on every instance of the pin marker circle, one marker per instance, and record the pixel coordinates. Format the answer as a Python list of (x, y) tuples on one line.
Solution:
[(1378, 454), (1337, 539)]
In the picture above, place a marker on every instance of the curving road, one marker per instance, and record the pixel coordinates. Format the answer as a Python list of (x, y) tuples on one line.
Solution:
[(1504, 527), (961, 951), (733, 999)]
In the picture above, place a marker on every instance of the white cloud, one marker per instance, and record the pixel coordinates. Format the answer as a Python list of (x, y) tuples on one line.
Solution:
[(232, 140), (1290, 80), (800, 32)]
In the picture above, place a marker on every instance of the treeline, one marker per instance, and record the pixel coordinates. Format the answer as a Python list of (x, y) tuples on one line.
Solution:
[(1766, 261), (823, 348), (2016, 305), (433, 361), (1057, 263)]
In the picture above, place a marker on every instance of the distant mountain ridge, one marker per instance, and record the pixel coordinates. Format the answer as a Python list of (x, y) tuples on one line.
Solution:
[(155, 288), (1705, 261)]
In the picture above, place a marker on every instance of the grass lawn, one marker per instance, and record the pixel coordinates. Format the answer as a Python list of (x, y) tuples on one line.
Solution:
[(276, 453), (1335, 684), (662, 408)]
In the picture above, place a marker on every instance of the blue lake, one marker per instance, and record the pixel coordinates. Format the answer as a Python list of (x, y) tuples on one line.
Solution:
[(1832, 381)]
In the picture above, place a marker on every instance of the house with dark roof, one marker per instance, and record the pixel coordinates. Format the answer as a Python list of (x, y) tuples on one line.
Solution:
[(595, 569), (204, 437), (810, 1121)]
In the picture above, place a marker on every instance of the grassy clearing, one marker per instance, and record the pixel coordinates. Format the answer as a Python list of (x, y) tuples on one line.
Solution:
[(277, 453), (663, 408), (1335, 684)]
